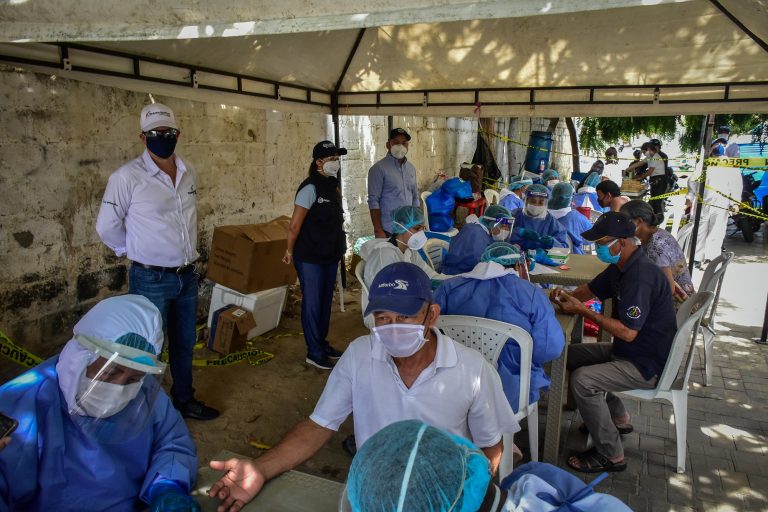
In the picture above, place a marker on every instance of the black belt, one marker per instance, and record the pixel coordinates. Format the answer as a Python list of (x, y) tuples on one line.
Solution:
[(175, 270)]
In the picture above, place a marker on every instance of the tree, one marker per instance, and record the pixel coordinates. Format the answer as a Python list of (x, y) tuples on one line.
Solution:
[(596, 133), (738, 123)]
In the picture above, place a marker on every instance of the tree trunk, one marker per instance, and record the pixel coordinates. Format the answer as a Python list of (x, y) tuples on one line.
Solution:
[(574, 143), (553, 124)]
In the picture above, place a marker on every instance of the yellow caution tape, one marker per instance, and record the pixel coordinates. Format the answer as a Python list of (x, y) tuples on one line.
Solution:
[(260, 356), (260, 446), (752, 163), (15, 353)]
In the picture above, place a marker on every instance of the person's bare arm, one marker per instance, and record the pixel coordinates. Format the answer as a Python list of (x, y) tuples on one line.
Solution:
[(494, 455), (378, 228), (244, 478), (582, 293), (570, 304), (297, 220)]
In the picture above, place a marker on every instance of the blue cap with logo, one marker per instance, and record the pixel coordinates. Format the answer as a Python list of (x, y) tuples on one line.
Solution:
[(401, 288)]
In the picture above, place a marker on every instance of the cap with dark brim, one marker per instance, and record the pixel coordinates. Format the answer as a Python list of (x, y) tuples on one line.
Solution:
[(613, 224), (401, 305), (394, 132)]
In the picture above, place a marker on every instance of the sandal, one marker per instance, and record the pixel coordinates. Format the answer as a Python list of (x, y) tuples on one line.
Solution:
[(623, 429), (593, 462)]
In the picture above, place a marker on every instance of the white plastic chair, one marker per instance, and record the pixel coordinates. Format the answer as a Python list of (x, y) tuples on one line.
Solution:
[(670, 387), (488, 337), (491, 196), (712, 281), (684, 239), (434, 249), (360, 275), (424, 196), (676, 210)]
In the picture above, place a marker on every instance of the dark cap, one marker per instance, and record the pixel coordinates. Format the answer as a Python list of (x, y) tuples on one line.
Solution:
[(326, 148), (655, 142), (724, 129), (394, 132), (613, 224), (401, 288)]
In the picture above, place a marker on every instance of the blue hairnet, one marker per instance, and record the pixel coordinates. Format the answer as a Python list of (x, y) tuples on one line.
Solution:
[(409, 465), (592, 180), (550, 174), (405, 218), (493, 212), (537, 190), (562, 196), (502, 253), (519, 181)]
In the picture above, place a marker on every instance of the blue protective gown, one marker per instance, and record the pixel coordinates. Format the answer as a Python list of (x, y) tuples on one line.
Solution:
[(575, 224), (513, 300), (591, 197), (465, 249), (511, 202), (548, 226), (52, 465)]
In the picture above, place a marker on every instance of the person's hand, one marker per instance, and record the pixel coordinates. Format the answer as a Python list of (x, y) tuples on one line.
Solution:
[(568, 303), (547, 242), (527, 234), (379, 233), (240, 484), (168, 496), (287, 258), (5, 441)]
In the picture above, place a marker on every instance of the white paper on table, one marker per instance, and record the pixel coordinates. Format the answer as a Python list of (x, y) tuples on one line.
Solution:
[(542, 269)]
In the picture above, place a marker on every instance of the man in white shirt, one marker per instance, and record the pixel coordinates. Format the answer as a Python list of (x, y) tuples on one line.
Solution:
[(149, 215), (405, 369), (656, 174)]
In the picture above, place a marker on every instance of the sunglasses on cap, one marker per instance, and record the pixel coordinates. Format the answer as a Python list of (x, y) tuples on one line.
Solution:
[(170, 133)]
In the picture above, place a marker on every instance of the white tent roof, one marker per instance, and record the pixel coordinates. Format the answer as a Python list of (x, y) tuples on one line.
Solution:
[(603, 57)]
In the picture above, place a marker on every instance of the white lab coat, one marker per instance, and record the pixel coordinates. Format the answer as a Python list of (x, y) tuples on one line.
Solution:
[(714, 213)]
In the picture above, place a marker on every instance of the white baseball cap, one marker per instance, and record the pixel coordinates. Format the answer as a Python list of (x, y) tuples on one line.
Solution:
[(156, 115)]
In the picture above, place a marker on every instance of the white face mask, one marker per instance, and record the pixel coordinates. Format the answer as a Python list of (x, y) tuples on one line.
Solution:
[(535, 211), (331, 168), (501, 236), (552, 183), (400, 340), (417, 240), (105, 399), (398, 151)]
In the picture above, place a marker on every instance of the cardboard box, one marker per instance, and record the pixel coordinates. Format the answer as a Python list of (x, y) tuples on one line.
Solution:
[(247, 258), (232, 326)]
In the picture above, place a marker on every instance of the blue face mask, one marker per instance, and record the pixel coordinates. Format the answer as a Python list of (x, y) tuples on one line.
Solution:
[(163, 147), (604, 253)]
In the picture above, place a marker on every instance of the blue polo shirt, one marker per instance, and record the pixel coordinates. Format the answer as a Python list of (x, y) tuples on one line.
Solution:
[(642, 302), (390, 186)]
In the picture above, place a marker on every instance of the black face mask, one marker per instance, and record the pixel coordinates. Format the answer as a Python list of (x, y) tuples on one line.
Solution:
[(163, 147)]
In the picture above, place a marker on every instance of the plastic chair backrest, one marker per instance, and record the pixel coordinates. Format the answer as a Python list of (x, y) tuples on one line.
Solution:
[(434, 249), (360, 275), (676, 211), (684, 238), (424, 196), (491, 196), (712, 280), (688, 318), (488, 337)]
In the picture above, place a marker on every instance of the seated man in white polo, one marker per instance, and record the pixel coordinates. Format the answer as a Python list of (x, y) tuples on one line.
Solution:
[(405, 369)]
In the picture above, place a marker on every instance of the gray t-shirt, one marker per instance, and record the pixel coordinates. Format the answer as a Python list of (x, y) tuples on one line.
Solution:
[(306, 197)]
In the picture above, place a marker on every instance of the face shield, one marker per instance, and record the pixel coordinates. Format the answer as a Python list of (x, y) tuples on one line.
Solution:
[(115, 393), (500, 228)]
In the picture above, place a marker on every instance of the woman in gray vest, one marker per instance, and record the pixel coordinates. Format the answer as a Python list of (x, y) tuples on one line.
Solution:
[(316, 244)]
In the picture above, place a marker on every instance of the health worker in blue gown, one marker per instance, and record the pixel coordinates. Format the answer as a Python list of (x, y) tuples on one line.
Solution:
[(574, 222), (493, 290), (511, 197), (466, 248), (534, 227), (550, 178), (96, 431), (586, 195)]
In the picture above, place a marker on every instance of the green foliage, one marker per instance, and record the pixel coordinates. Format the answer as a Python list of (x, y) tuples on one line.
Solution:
[(739, 124), (596, 133)]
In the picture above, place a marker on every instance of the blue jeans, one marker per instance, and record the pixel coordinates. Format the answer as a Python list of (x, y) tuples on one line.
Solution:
[(317, 281), (175, 295)]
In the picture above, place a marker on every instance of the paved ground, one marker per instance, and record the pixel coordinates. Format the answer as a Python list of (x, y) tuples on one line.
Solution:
[(727, 456)]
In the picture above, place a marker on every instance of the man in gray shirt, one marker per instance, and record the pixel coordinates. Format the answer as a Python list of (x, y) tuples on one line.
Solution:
[(391, 183)]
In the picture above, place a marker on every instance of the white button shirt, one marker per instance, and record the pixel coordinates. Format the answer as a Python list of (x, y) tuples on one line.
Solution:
[(146, 217), (460, 392)]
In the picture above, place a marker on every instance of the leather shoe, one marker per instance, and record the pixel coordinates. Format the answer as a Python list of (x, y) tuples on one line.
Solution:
[(196, 410)]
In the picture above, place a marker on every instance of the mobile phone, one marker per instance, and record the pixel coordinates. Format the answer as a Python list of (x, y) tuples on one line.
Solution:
[(7, 425)]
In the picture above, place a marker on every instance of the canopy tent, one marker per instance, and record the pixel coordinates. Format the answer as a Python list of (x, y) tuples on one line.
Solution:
[(439, 58)]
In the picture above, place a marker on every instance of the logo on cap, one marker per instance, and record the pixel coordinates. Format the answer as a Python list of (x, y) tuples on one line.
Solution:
[(157, 113), (398, 284)]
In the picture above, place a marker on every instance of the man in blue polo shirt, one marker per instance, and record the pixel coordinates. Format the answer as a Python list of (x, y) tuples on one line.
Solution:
[(391, 183), (643, 327)]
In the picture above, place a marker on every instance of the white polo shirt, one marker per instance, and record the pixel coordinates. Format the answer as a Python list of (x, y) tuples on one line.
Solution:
[(146, 217), (460, 392)]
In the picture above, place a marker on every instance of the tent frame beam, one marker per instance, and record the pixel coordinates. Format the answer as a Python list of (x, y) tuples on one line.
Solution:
[(739, 24)]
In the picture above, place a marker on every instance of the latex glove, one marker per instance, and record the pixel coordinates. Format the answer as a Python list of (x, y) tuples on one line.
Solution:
[(168, 496), (544, 259), (527, 234), (547, 242)]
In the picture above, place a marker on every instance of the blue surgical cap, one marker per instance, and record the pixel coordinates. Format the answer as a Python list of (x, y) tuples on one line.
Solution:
[(537, 190), (405, 218), (519, 182), (592, 180), (502, 253), (494, 212), (562, 196), (409, 465), (550, 174)]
